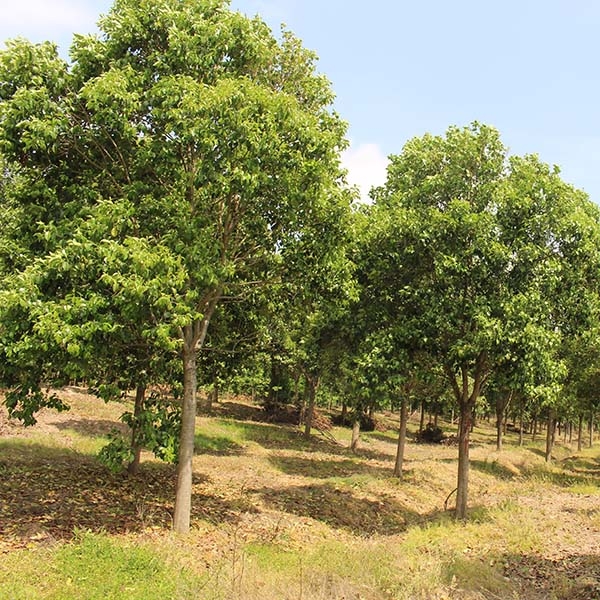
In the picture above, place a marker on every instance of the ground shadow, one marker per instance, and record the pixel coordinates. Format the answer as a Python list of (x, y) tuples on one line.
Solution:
[(537, 451), (47, 493), (581, 465), (382, 437), (326, 468), (572, 577), (91, 427), (237, 411), (341, 509), (216, 445), (493, 468)]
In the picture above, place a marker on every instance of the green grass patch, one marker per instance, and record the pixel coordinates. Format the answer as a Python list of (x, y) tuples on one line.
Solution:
[(94, 567), (216, 444)]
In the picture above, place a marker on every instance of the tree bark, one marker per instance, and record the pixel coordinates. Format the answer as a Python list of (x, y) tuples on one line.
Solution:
[(550, 436), (344, 412), (521, 423), (193, 336), (466, 402), (355, 432), (136, 445), (591, 428), (462, 491), (313, 384), (580, 434), (501, 403), (422, 419), (401, 437), (183, 494)]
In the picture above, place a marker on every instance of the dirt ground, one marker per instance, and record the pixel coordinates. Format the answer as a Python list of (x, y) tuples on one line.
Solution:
[(278, 486)]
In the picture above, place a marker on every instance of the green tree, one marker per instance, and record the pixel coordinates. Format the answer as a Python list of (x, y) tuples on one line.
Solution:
[(216, 140), (476, 251)]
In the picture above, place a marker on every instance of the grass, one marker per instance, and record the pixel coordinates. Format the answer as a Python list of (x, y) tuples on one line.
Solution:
[(94, 567), (278, 516)]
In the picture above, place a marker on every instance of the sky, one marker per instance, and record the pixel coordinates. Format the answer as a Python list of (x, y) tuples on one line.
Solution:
[(403, 68)]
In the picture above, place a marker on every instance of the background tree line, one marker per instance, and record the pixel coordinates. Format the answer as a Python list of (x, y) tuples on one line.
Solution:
[(175, 213)]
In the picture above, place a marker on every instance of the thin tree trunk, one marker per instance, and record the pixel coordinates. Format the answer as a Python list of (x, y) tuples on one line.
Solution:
[(499, 423), (462, 491), (355, 432), (193, 339), (550, 436), (534, 428), (466, 402), (501, 405), (344, 413), (521, 424), (183, 494), (401, 437), (422, 419), (136, 446), (591, 428), (580, 434), (312, 383)]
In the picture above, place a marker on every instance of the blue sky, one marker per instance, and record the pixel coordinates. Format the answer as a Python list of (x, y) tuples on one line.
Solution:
[(402, 68)]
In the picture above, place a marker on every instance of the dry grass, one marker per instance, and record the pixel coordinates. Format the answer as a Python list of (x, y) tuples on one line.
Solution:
[(276, 516)]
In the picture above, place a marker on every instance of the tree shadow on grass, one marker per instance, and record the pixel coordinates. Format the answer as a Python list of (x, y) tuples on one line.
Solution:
[(341, 509), (572, 576), (390, 439), (47, 493), (537, 451), (494, 468), (326, 468), (217, 445), (582, 465), (91, 427)]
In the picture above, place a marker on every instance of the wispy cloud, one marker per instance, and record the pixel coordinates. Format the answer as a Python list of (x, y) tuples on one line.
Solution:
[(366, 165)]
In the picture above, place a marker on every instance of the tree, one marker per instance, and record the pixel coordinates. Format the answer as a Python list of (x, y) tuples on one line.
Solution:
[(477, 248), (217, 141)]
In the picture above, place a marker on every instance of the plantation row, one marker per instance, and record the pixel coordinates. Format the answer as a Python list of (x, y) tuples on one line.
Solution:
[(175, 214)]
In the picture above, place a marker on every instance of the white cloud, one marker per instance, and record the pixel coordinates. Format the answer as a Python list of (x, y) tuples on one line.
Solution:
[(24, 17), (366, 165)]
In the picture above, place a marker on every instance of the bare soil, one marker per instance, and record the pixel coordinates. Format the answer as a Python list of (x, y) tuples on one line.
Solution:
[(277, 486)]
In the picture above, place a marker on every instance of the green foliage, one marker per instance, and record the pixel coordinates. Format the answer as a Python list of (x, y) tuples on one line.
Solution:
[(155, 428), (117, 454)]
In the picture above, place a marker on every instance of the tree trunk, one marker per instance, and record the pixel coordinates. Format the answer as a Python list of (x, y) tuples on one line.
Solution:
[(580, 434), (534, 428), (183, 494), (355, 432), (136, 445), (313, 384), (344, 413), (591, 428), (401, 437), (502, 403), (521, 423), (550, 436), (466, 402), (462, 491), (499, 430), (193, 339), (422, 419)]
